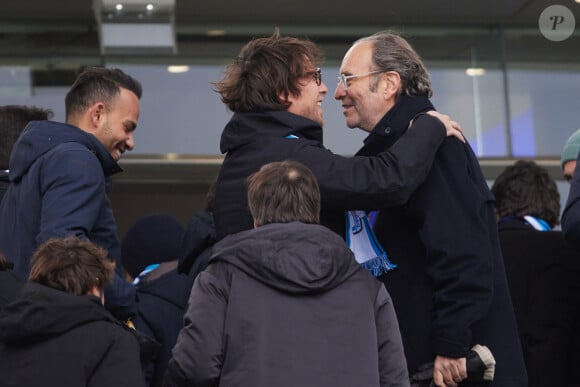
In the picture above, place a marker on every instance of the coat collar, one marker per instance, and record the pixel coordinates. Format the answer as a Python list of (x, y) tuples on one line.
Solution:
[(249, 127), (394, 124)]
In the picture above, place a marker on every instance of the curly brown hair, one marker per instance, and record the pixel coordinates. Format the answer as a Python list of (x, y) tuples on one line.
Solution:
[(526, 188)]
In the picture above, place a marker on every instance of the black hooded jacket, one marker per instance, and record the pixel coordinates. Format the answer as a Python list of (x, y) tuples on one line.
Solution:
[(251, 140), (52, 338)]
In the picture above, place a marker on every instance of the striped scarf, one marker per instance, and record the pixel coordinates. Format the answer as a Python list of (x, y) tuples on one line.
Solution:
[(363, 242)]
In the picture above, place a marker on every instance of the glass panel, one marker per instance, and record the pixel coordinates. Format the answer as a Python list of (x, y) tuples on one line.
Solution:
[(544, 110), (476, 102)]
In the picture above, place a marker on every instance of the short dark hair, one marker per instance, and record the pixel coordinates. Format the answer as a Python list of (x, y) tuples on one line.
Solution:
[(96, 84), (283, 192), (264, 69), (13, 120), (72, 265), (526, 188), (392, 52)]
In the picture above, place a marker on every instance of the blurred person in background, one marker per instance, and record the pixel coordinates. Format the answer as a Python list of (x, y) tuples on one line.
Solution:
[(13, 120), (542, 271)]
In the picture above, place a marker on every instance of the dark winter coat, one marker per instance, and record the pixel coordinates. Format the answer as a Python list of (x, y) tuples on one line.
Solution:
[(449, 288), (4, 183), (542, 272), (58, 174), (286, 305), (52, 338), (161, 302), (10, 285), (251, 140), (197, 243)]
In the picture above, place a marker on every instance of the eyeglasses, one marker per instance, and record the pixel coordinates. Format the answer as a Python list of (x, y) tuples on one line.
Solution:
[(317, 74), (343, 79)]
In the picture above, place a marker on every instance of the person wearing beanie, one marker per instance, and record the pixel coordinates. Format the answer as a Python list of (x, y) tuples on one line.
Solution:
[(149, 254), (570, 154), (152, 240)]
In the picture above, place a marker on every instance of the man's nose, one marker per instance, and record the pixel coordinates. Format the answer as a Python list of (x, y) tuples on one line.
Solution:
[(340, 91), (130, 143)]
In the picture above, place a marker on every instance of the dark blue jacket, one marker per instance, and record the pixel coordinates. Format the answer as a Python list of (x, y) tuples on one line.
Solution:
[(449, 289), (161, 302), (58, 176), (4, 183), (197, 243)]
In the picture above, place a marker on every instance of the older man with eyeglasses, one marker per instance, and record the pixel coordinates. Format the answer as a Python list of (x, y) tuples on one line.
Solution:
[(448, 287)]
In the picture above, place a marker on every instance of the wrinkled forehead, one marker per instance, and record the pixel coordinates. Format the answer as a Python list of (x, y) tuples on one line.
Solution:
[(358, 58)]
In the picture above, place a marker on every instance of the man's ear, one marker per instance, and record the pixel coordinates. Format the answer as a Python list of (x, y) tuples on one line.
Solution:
[(393, 84), (285, 98), (95, 291), (97, 112)]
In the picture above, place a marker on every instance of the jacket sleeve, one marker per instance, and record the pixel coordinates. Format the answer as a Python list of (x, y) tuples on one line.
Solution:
[(453, 211), (121, 298), (72, 190), (571, 215), (392, 363), (197, 357), (388, 179)]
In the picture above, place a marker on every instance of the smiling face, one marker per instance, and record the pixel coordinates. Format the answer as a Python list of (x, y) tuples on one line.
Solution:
[(115, 127), (362, 106), (309, 103)]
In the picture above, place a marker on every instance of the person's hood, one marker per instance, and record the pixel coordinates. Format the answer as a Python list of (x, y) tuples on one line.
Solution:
[(42, 312), (244, 128), (39, 137), (293, 257)]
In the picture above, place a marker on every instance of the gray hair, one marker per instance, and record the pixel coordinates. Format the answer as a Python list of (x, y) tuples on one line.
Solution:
[(391, 52)]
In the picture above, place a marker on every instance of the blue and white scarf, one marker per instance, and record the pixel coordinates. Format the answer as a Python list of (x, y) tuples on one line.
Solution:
[(536, 223), (145, 273), (363, 242)]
